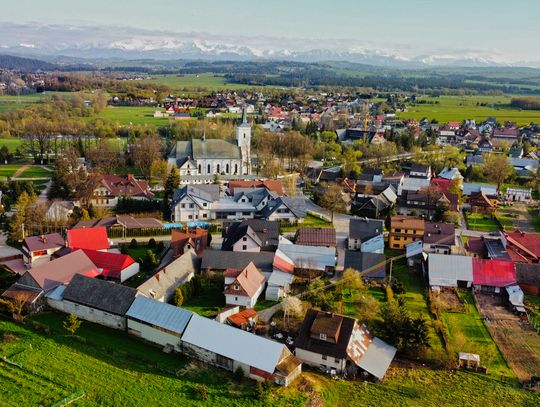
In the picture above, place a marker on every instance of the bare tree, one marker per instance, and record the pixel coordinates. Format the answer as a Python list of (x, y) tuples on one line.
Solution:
[(145, 151)]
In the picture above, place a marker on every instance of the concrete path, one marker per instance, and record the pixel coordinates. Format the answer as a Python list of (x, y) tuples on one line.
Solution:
[(45, 193)]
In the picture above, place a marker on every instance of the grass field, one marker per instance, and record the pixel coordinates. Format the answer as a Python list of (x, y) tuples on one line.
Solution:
[(125, 115), (467, 333), (414, 297), (114, 369), (458, 108), (481, 222), (10, 143), (35, 171), (209, 302), (310, 221), (8, 170), (201, 82)]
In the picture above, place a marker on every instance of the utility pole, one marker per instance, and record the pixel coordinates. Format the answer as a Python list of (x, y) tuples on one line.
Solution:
[(391, 264)]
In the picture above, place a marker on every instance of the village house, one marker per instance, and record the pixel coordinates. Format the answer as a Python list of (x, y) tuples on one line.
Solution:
[(121, 222), (286, 209), (59, 211), (366, 235), (243, 287), (518, 194), (479, 202), (38, 249), (439, 238), (88, 238), (272, 185), (113, 187), (253, 235), (322, 237), (425, 202), (42, 279), (371, 265), (340, 345), (304, 261), (405, 230), (94, 300), (451, 174), (217, 261), (193, 239), (523, 247), (157, 322), (161, 286), (230, 348), (113, 266)]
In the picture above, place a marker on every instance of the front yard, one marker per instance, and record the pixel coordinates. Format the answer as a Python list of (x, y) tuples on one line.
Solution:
[(482, 222)]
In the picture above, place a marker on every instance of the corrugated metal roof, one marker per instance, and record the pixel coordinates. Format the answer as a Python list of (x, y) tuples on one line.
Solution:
[(313, 257), (164, 315), (233, 343), (377, 358), (445, 270)]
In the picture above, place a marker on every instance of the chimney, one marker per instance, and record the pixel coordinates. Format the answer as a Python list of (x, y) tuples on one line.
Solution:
[(43, 239), (130, 177), (157, 276)]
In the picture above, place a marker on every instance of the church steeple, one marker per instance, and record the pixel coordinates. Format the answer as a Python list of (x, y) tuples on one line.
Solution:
[(244, 115)]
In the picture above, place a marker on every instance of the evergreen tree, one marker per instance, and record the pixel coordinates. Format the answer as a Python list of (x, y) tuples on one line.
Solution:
[(172, 183)]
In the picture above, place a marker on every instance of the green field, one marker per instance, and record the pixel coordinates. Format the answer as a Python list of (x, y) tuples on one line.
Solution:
[(209, 302), (310, 221), (113, 369), (414, 297), (458, 108), (482, 222), (197, 82), (8, 170), (467, 333), (125, 115), (35, 171), (10, 143)]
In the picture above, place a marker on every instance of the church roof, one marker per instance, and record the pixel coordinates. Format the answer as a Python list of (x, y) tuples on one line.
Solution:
[(210, 148)]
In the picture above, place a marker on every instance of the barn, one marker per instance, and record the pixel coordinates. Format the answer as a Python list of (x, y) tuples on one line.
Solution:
[(94, 300), (230, 348), (157, 322)]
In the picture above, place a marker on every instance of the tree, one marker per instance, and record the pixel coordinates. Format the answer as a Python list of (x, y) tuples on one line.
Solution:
[(350, 166), (332, 198), (292, 307), (72, 324), (178, 297), (351, 281), (497, 168), (149, 261), (144, 152), (172, 183), (17, 223)]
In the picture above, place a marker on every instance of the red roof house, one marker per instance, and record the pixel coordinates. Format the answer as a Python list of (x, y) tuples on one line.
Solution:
[(113, 266), (196, 239), (88, 238), (126, 185), (442, 183), (243, 287), (523, 247), (493, 273)]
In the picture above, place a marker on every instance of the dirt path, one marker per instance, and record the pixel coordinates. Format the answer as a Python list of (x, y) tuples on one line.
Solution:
[(20, 170), (517, 341)]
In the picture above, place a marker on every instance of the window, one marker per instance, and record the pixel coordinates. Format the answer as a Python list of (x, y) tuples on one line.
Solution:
[(336, 360), (322, 337), (191, 205), (236, 287), (190, 216), (183, 205), (227, 168), (324, 357), (398, 230), (204, 204), (39, 253), (218, 169), (244, 247), (244, 239), (397, 238), (396, 246), (209, 169), (236, 298), (205, 215)]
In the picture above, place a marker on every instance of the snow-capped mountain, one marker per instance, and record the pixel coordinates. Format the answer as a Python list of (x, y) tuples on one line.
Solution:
[(127, 43)]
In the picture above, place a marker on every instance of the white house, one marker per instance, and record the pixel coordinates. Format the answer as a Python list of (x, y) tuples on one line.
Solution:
[(38, 249), (243, 287), (518, 194)]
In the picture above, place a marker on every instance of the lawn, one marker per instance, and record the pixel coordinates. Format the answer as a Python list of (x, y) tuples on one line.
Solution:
[(112, 369), (125, 115), (414, 297), (210, 301), (136, 254), (458, 108), (510, 218), (481, 222), (310, 221), (535, 218), (35, 171), (264, 304), (467, 333), (8, 170)]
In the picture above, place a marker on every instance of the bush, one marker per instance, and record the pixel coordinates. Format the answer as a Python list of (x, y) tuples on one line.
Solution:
[(178, 297), (133, 244), (152, 243), (123, 249), (239, 374)]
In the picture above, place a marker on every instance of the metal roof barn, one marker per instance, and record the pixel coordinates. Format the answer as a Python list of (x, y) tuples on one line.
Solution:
[(233, 343), (447, 270), (160, 314)]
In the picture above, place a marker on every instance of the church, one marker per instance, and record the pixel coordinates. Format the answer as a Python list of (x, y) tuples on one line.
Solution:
[(208, 157)]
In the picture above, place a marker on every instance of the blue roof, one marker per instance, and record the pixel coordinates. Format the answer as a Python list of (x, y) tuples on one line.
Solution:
[(158, 313), (176, 225), (198, 224)]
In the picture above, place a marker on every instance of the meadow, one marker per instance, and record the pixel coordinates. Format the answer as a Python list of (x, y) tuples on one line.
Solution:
[(42, 365), (459, 108)]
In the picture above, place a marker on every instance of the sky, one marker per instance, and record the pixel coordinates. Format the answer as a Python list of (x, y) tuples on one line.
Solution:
[(508, 29)]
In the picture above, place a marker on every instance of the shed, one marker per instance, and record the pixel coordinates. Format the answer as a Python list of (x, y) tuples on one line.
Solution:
[(449, 270), (157, 322)]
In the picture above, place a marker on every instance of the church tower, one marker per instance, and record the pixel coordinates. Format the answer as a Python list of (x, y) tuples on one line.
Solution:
[(243, 140)]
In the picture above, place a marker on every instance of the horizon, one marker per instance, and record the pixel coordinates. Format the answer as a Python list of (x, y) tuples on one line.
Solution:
[(420, 30)]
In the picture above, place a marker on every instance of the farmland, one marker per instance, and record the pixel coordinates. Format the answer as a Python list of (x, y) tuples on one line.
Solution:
[(458, 108), (124, 115), (48, 367)]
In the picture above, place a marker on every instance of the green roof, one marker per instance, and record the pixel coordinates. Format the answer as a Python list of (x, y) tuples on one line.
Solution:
[(214, 148)]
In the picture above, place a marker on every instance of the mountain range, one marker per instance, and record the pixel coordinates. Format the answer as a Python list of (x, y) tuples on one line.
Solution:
[(80, 44)]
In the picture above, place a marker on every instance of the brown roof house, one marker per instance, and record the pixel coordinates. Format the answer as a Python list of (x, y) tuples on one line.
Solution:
[(112, 187), (338, 344), (243, 287), (194, 239), (323, 237), (439, 238), (38, 249), (48, 276)]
